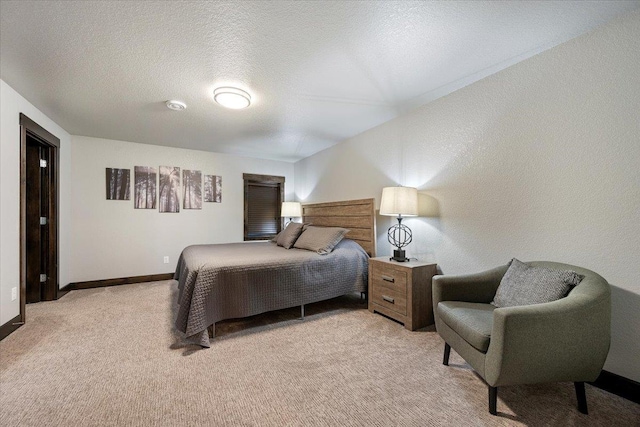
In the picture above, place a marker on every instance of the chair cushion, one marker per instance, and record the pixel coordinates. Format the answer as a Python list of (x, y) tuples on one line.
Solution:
[(472, 321), (523, 284)]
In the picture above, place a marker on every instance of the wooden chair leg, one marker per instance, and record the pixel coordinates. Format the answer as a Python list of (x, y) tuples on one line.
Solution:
[(582, 397), (493, 400), (212, 330), (447, 351)]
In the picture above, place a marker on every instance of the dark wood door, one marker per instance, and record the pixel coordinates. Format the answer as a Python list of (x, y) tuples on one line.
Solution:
[(39, 184), (38, 168)]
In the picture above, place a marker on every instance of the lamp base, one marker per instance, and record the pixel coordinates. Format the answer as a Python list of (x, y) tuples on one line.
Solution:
[(399, 256)]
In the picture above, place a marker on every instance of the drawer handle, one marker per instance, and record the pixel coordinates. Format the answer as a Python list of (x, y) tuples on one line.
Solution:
[(388, 299), (388, 278)]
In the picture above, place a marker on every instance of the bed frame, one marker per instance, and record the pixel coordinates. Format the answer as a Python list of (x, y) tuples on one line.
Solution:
[(358, 216)]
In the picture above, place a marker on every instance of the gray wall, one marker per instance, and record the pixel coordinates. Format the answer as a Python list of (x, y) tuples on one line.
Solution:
[(540, 161), (110, 239)]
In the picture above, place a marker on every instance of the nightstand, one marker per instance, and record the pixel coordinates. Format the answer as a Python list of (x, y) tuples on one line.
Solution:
[(402, 291)]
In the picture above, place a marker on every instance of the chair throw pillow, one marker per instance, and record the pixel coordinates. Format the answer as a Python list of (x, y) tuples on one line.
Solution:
[(523, 284), (288, 236), (320, 239)]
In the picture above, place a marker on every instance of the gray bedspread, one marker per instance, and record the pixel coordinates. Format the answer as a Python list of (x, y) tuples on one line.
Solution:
[(226, 281)]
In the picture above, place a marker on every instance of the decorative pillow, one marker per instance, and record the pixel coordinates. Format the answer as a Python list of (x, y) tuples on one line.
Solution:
[(288, 236), (523, 284), (275, 238), (320, 239)]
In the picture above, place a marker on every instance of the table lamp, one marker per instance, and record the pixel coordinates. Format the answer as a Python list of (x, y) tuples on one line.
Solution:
[(399, 201), (291, 210)]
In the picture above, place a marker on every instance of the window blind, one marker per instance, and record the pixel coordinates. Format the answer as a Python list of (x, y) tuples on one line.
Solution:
[(263, 210)]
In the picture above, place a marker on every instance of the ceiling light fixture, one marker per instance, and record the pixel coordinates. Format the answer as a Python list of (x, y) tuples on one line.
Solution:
[(176, 105), (232, 97)]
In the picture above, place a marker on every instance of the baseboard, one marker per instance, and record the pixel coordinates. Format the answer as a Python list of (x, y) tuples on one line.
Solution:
[(618, 385), (9, 327), (116, 282), (62, 292)]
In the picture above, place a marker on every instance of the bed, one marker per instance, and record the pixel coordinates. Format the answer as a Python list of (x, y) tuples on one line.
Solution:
[(227, 281)]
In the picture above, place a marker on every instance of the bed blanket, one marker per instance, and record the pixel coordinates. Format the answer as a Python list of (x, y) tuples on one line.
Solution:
[(227, 281)]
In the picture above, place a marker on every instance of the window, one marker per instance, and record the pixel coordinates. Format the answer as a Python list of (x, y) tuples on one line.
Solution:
[(263, 195)]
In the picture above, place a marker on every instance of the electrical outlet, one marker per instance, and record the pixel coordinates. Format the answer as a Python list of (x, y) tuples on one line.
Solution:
[(166, 260), (14, 294)]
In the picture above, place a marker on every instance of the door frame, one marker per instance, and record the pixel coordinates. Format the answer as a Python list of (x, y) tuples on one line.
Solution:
[(51, 287)]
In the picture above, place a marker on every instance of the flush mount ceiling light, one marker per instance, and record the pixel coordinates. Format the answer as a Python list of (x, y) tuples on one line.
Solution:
[(176, 105), (232, 97)]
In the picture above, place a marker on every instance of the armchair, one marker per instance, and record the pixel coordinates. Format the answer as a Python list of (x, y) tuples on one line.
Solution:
[(564, 340)]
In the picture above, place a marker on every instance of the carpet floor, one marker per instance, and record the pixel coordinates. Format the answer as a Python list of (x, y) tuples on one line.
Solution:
[(111, 357)]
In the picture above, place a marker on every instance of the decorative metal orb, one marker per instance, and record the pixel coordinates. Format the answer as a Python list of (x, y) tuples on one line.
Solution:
[(399, 235)]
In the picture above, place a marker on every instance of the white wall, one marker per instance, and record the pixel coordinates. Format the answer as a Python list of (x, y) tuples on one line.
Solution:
[(540, 161), (11, 105), (111, 239)]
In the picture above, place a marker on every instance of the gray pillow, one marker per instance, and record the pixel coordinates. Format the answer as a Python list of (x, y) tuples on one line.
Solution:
[(523, 284), (320, 239), (288, 236)]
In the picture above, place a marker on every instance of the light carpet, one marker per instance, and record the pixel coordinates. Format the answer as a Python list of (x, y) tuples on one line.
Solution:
[(111, 357)]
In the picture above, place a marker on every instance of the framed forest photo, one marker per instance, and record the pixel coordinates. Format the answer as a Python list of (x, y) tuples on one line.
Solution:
[(118, 184), (144, 187), (213, 188), (192, 189), (169, 187)]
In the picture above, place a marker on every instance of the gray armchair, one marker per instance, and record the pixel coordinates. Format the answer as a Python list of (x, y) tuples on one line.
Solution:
[(563, 340)]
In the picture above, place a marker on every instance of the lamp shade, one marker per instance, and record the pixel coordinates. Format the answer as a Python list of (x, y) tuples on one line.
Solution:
[(291, 209), (399, 201)]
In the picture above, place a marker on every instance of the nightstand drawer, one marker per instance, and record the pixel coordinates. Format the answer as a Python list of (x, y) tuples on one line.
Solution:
[(402, 291), (389, 278), (390, 298)]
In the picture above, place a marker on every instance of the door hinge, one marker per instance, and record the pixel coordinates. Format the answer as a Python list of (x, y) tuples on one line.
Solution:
[(43, 163), (43, 220), (43, 278)]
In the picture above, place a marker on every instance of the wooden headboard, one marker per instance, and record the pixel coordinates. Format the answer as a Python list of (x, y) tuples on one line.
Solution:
[(357, 215)]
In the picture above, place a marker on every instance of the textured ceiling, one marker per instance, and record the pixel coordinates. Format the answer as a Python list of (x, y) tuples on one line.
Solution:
[(319, 72)]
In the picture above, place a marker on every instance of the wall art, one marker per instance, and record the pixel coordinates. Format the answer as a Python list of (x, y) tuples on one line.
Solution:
[(144, 187), (192, 189), (169, 187), (118, 184), (213, 188)]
